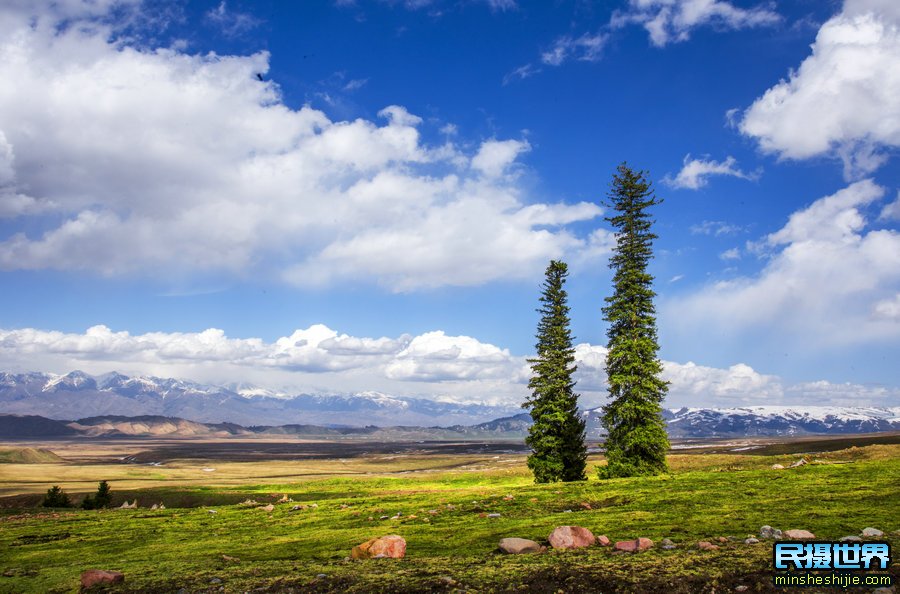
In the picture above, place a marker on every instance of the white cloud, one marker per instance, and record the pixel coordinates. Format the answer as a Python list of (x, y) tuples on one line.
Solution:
[(431, 365), (670, 21), (738, 385), (731, 254), (842, 100), (891, 212), (825, 264), (586, 48), (157, 160), (888, 309), (231, 22), (502, 5), (695, 173), (520, 73), (317, 358), (717, 228)]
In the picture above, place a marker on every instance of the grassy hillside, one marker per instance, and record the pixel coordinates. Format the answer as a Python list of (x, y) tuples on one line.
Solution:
[(451, 542), (28, 456)]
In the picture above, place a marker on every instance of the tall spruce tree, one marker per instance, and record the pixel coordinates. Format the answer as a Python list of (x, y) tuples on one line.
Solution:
[(636, 443), (557, 436)]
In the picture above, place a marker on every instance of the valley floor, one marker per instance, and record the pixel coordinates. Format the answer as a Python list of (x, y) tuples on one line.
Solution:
[(444, 505)]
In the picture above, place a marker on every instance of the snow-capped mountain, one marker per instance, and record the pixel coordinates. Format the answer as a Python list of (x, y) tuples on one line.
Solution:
[(770, 420), (78, 395)]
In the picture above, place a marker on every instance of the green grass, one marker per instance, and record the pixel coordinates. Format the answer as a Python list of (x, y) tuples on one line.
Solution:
[(282, 551)]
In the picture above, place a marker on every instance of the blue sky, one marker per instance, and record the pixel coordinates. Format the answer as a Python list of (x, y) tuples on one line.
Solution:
[(349, 196)]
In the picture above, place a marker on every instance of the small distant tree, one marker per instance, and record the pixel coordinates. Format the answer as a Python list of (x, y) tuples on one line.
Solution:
[(56, 497), (636, 442), (100, 499), (557, 436)]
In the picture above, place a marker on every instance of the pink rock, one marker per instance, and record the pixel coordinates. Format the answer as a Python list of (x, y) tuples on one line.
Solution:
[(637, 545), (93, 577), (571, 537), (603, 540), (799, 534), (707, 546), (390, 546)]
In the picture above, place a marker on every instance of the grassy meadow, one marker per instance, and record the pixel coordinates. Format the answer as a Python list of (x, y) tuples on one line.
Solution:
[(443, 502)]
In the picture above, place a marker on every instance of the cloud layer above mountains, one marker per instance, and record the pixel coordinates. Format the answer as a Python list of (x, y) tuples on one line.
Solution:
[(433, 365)]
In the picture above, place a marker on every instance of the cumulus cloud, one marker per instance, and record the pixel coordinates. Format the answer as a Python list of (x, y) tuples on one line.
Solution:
[(691, 384), (128, 160), (668, 21), (695, 173), (842, 100), (431, 365), (825, 263), (495, 156)]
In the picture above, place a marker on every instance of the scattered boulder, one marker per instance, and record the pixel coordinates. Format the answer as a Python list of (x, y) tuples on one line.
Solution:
[(637, 545), (777, 467), (722, 539), (667, 544), (94, 577), (871, 533), (707, 546), (852, 538), (127, 505), (603, 540), (489, 515), (751, 540), (800, 462), (267, 508), (284, 499), (161, 506), (769, 532), (518, 546), (571, 537), (248, 503), (741, 588), (799, 534), (212, 511), (154, 507), (390, 546)]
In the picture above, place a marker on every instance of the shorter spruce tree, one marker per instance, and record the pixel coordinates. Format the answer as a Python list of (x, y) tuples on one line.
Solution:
[(556, 437)]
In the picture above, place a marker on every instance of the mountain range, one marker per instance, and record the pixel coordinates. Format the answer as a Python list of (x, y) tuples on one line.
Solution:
[(115, 404)]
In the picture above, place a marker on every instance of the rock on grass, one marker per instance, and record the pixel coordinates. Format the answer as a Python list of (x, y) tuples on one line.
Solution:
[(95, 577), (518, 546), (571, 537), (390, 546)]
